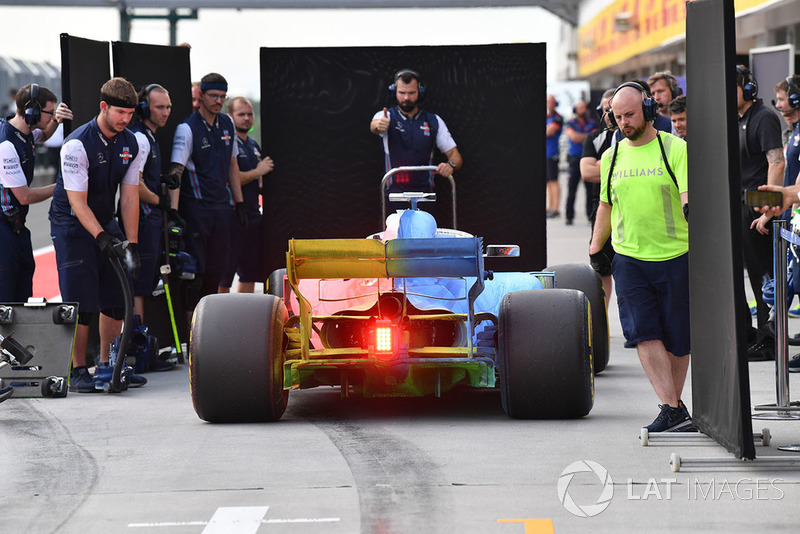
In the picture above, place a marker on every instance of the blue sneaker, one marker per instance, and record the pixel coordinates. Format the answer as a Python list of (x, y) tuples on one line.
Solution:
[(670, 420), (81, 381), (131, 378), (104, 373), (794, 312), (794, 364)]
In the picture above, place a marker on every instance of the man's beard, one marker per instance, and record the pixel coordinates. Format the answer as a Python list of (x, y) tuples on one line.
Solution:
[(407, 107), (637, 133), (243, 130)]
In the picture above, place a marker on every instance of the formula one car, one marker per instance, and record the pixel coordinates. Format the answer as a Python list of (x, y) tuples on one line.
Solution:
[(408, 312)]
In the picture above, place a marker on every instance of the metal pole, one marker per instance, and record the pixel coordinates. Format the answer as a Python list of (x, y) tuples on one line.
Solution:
[(781, 326)]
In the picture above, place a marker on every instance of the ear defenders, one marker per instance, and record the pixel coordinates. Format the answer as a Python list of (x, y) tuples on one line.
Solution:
[(413, 74), (33, 109), (793, 93), (674, 88), (143, 107), (649, 105), (749, 83)]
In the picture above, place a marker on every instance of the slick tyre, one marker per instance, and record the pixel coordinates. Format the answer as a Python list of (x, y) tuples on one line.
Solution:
[(236, 358), (543, 361), (583, 278), (275, 283)]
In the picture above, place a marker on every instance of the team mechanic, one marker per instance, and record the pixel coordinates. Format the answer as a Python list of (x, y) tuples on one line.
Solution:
[(97, 158), (642, 190), (35, 120), (409, 135), (153, 111), (246, 245), (205, 147)]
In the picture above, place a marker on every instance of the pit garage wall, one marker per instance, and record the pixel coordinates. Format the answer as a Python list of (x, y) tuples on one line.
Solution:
[(168, 66), (84, 69), (316, 105), (720, 379)]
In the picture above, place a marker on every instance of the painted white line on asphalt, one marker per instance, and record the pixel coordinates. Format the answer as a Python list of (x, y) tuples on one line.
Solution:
[(43, 250), (236, 520)]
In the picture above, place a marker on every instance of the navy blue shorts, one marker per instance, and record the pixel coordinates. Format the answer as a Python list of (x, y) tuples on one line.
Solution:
[(653, 299), (207, 234), (552, 169), (151, 238), (246, 254), (85, 273), (16, 264)]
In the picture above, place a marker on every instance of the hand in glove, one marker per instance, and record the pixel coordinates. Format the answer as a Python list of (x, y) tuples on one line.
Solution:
[(110, 245), (172, 181), (133, 260), (241, 214), (600, 262)]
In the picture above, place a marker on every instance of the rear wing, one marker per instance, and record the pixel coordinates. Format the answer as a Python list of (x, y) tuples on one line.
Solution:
[(372, 258), (397, 258)]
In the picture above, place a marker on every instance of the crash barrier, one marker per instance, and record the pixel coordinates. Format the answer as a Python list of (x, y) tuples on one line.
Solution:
[(385, 181), (45, 330)]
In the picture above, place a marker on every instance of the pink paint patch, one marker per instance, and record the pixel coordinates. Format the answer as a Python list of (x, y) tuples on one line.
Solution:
[(45, 278)]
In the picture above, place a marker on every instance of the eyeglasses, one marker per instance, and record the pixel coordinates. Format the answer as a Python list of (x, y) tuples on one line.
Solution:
[(48, 112), (217, 98)]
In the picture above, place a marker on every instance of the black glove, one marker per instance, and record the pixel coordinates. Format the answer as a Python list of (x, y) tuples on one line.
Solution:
[(110, 245), (241, 214), (175, 218), (134, 262), (164, 202), (600, 262), (172, 181), (686, 211)]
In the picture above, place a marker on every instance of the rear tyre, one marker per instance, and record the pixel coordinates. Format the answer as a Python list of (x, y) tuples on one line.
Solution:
[(236, 358), (544, 360), (275, 283), (583, 278)]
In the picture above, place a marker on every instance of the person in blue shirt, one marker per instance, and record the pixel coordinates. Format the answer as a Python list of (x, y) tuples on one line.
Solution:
[(98, 159), (204, 157), (409, 134), (153, 112), (553, 129), (577, 129), (35, 120), (246, 245)]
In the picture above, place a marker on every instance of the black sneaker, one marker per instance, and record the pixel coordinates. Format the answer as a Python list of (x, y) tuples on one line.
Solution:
[(81, 381), (794, 364), (685, 411), (552, 214), (670, 419), (761, 351)]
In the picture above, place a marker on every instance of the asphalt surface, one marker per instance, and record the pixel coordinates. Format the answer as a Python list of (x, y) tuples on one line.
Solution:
[(141, 461)]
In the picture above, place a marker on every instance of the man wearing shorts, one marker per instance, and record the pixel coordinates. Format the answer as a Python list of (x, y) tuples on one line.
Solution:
[(553, 129), (97, 160), (643, 191)]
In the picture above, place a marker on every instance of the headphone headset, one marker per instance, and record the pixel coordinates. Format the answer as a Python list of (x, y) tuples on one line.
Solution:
[(793, 93), (674, 88), (143, 107), (415, 75), (749, 83), (649, 105), (33, 109)]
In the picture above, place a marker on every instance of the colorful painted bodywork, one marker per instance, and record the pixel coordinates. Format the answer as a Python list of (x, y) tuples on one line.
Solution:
[(440, 279)]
